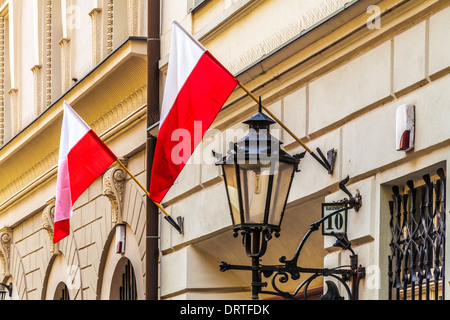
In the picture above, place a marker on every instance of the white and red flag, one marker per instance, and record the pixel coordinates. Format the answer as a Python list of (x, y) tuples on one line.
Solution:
[(83, 156), (197, 87)]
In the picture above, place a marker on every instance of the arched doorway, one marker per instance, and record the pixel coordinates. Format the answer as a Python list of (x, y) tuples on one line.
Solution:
[(123, 285)]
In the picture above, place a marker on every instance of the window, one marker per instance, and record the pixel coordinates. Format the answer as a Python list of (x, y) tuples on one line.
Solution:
[(417, 224), (124, 281), (128, 288)]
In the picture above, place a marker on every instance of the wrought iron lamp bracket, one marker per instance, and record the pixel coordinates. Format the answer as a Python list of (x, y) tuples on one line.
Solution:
[(255, 241), (355, 202)]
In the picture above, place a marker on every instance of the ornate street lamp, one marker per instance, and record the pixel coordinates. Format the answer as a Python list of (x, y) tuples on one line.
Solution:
[(258, 176), (3, 292)]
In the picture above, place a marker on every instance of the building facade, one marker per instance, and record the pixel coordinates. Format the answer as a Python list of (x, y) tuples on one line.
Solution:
[(92, 54), (335, 72)]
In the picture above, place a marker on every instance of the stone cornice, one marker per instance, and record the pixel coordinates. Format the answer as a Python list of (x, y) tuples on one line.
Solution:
[(111, 123), (110, 97), (131, 56)]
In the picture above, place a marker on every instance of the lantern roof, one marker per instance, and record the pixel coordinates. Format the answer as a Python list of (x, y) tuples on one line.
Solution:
[(258, 144), (259, 121)]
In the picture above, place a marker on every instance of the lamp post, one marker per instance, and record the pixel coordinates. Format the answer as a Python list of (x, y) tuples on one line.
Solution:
[(3, 292), (258, 176)]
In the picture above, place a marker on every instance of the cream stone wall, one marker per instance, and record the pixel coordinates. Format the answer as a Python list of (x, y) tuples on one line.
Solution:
[(340, 91)]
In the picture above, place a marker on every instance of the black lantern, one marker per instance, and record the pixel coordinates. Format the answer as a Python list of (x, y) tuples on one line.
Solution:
[(258, 175)]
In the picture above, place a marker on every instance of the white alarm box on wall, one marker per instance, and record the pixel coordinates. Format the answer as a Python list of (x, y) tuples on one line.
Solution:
[(120, 239), (405, 127)]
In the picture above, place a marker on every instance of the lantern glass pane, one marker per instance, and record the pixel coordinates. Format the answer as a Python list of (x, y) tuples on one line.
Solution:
[(254, 185), (232, 189), (280, 189)]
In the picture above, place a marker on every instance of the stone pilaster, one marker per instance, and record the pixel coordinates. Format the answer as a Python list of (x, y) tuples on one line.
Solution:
[(48, 218)]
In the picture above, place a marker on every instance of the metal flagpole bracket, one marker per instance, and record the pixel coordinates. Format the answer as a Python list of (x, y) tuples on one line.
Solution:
[(329, 161), (178, 226), (167, 216)]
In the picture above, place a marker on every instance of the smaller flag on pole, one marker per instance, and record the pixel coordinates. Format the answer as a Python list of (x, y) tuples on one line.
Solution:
[(197, 87), (83, 156)]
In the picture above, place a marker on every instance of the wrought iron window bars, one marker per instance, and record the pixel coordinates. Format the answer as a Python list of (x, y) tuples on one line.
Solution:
[(417, 224)]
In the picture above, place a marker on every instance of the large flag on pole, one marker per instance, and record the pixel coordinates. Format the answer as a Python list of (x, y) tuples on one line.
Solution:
[(197, 87), (83, 156)]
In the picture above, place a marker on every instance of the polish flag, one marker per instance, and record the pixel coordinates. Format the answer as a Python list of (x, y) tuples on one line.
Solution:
[(83, 156), (197, 87)]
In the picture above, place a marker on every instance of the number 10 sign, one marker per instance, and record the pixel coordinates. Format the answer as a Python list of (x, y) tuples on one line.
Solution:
[(335, 223)]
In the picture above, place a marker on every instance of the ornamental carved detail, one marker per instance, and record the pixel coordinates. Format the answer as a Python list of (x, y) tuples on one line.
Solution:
[(48, 218), (110, 26), (5, 250), (113, 189)]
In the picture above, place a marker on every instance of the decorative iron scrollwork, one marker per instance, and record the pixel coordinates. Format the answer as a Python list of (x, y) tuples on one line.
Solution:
[(256, 244)]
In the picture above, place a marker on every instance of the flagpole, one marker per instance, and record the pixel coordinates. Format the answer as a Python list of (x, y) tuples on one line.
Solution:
[(284, 126), (167, 216)]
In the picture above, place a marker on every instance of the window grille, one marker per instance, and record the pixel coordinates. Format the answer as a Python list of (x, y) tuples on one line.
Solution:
[(62, 292), (65, 294), (128, 290), (417, 223)]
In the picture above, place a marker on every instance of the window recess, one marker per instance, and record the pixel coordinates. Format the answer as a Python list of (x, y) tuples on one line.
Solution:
[(192, 5), (417, 224)]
